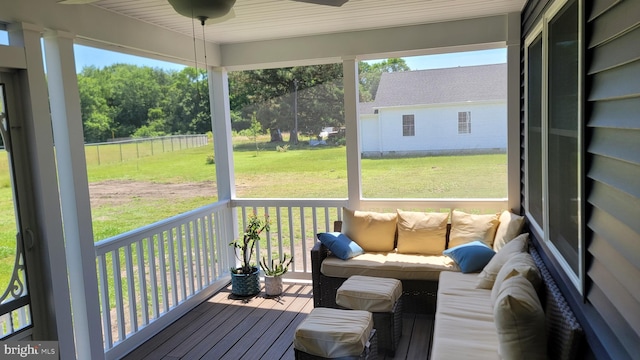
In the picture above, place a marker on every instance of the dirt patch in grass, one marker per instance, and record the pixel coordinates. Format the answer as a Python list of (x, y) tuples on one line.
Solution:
[(118, 192)]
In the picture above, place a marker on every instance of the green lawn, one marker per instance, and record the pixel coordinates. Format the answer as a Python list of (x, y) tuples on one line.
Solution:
[(300, 172)]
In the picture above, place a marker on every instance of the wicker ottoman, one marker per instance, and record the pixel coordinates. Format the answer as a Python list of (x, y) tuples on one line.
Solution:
[(334, 333), (382, 297)]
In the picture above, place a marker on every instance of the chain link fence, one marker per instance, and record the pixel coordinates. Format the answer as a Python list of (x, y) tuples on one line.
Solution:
[(123, 150)]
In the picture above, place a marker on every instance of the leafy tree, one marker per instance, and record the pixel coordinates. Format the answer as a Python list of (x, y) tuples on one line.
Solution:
[(271, 94), (255, 130), (370, 75)]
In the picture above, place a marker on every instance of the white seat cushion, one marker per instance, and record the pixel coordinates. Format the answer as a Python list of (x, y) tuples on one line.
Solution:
[(464, 326), (389, 265), (369, 293), (333, 333)]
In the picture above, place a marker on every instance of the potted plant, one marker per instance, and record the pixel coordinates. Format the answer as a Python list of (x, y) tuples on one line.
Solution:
[(245, 280), (273, 274)]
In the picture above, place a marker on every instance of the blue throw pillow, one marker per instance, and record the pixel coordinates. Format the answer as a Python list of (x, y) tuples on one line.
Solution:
[(471, 257), (340, 245)]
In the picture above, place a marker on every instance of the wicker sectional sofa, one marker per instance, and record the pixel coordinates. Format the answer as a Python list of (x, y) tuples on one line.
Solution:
[(399, 251), (463, 313)]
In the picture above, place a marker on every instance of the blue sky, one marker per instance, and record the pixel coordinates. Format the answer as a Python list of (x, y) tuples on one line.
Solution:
[(86, 56), (100, 58)]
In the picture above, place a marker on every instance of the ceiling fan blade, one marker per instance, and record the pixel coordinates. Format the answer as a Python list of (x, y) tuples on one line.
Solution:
[(230, 15), (76, 2), (336, 3)]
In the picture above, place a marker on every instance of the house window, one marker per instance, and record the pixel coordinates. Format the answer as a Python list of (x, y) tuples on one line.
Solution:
[(553, 134), (408, 125), (464, 122)]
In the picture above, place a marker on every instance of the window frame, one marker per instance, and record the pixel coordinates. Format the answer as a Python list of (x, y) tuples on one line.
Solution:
[(467, 122), (541, 30), (408, 129)]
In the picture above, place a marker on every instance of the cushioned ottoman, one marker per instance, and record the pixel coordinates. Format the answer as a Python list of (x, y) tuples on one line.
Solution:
[(334, 333), (382, 297)]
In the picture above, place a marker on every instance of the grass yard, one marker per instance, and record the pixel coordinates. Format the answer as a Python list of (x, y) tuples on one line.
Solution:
[(130, 194)]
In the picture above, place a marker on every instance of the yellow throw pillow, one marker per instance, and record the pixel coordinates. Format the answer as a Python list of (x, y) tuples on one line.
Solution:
[(520, 321), (422, 233), (488, 275), (466, 228), (510, 227), (373, 231)]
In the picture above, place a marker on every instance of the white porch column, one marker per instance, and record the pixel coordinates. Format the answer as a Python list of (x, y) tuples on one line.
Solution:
[(74, 193), (221, 126), (351, 100), (223, 146), (45, 256), (513, 112)]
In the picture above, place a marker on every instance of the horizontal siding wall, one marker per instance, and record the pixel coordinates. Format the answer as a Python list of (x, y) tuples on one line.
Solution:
[(610, 309), (613, 173)]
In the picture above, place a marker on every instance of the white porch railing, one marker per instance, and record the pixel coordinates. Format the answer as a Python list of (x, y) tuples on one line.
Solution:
[(150, 276)]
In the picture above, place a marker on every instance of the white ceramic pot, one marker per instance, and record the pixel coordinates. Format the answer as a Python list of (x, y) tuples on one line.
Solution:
[(273, 285)]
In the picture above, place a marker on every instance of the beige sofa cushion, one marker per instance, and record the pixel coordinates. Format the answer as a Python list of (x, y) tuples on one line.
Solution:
[(389, 265), (487, 277), (520, 321), (466, 228), (369, 293), (373, 231), (333, 333), (464, 326), (519, 265), (510, 226), (422, 233)]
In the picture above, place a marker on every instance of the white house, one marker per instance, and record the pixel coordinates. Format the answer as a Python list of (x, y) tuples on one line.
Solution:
[(438, 111)]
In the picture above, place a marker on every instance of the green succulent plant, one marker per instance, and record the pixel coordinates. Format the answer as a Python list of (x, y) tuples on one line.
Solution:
[(277, 268)]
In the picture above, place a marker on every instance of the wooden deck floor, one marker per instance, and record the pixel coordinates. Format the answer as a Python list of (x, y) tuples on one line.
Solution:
[(260, 328)]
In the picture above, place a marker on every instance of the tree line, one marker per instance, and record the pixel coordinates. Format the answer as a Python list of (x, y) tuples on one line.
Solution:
[(124, 100)]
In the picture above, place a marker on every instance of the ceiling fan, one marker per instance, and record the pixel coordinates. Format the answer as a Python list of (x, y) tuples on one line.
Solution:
[(204, 10)]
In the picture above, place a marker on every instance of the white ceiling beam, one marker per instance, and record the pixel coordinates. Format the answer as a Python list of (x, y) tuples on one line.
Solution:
[(469, 34), (95, 26)]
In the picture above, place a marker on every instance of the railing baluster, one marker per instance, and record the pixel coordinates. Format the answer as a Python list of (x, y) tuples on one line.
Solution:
[(117, 286), (279, 222), (292, 238), (303, 240), (197, 254), (180, 254), (104, 300), (268, 236), (314, 217), (189, 263), (172, 268), (327, 222), (205, 249), (163, 271), (142, 281), (155, 310), (212, 245), (131, 289)]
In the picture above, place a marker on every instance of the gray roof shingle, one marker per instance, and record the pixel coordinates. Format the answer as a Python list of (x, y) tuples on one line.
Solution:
[(439, 86)]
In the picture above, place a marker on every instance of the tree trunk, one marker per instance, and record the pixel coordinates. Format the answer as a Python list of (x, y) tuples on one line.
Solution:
[(276, 135), (293, 137)]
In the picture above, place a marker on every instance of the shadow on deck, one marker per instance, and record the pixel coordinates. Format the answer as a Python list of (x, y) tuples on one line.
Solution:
[(225, 327)]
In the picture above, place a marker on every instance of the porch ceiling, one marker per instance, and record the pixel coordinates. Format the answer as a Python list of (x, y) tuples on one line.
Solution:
[(258, 20)]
